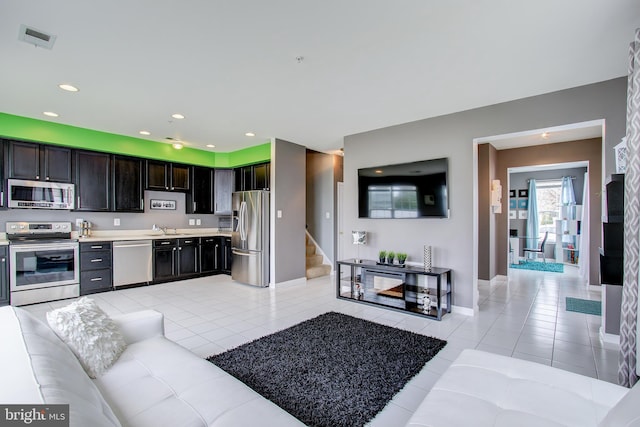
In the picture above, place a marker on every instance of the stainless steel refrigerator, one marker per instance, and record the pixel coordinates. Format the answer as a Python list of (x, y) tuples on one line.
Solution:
[(250, 237)]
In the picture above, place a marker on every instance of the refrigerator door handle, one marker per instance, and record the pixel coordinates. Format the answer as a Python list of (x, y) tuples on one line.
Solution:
[(242, 253), (243, 221)]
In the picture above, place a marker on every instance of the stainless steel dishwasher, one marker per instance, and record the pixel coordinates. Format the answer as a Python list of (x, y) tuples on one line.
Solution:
[(132, 261)]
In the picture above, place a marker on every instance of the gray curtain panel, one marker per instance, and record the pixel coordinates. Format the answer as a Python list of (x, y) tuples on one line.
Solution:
[(629, 315)]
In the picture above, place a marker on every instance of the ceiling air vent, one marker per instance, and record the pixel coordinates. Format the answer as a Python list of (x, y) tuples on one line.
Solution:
[(36, 37)]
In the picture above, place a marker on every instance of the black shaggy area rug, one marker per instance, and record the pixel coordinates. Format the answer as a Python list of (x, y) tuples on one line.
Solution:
[(332, 370)]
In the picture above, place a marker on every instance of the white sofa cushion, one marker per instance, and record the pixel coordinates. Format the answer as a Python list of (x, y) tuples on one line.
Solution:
[(38, 368), (90, 333), (483, 389), (157, 382)]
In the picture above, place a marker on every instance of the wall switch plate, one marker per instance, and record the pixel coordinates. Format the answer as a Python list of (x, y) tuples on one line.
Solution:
[(327, 215), (79, 222), (198, 222), (192, 221), (279, 213), (116, 222)]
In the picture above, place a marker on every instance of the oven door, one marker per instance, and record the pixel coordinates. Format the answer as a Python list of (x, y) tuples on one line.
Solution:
[(41, 265)]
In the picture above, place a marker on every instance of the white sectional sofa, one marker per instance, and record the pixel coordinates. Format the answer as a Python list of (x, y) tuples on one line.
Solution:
[(483, 389), (154, 382)]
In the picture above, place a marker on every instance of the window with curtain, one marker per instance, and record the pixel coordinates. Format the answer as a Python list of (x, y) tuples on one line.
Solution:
[(548, 198), (393, 201)]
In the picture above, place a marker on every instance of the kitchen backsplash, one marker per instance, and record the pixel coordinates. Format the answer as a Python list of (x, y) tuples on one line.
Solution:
[(128, 221)]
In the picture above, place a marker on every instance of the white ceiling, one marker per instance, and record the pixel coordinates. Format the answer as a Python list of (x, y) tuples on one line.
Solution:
[(230, 66)]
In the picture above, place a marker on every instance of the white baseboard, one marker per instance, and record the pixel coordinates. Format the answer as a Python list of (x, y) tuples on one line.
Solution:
[(610, 341), (293, 282), (466, 311)]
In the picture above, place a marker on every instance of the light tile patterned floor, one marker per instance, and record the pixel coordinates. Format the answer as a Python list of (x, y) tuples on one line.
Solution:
[(524, 317)]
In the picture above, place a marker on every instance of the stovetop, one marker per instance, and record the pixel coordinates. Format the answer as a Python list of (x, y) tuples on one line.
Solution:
[(26, 232)]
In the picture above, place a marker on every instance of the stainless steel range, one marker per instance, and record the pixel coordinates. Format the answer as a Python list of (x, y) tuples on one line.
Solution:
[(43, 262)]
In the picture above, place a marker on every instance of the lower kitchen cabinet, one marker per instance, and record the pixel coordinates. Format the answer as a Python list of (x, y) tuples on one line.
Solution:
[(175, 259), (211, 254), (4, 276), (227, 256), (96, 273)]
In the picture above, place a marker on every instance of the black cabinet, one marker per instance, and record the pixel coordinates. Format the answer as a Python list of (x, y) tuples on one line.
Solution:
[(253, 177), (3, 181), (200, 198), (92, 172), (4, 276), (210, 254), (96, 272), (222, 192), (165, 176), (39, 162), (128, 191), (612, 251), (227, 257), (175, 259)]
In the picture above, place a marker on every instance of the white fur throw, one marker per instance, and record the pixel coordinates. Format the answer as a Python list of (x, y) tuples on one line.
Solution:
[(92, 336)]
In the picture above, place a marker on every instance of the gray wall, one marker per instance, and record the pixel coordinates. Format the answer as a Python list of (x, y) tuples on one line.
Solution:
[(452, 136), (288, 195), (320, 200), (128, 221)]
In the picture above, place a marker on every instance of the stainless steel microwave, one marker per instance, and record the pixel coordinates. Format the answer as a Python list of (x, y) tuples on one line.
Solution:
[(40, 194)]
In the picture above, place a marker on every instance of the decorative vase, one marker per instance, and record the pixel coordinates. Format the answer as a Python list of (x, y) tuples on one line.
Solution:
[(427, 258)]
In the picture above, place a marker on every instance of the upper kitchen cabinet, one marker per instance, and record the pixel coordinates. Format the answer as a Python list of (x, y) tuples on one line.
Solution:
[(165, 176), (92, 176), (222, 191), (39, 162), (128, 190), (200, 198), (253, 177)]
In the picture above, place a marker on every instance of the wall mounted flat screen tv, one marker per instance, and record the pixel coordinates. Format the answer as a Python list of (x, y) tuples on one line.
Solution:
[(405, 190)]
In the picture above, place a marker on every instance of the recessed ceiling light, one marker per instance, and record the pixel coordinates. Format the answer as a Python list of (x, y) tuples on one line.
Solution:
[(50, 114), (177, 146), (250, 134), (145, 132), (68, 87), (177, 116), (545, 135), (211, 146), (378, 171)]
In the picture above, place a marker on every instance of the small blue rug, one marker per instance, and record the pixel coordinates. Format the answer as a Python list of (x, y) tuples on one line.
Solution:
[(586, 306), (539, 266)]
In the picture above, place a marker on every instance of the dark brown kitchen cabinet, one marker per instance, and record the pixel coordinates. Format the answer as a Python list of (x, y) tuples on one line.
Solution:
[(92, 173), (175, 259), (211, 254), (39, 162), (200, 198), (128, 191), (165, 176), (253, 177), (223, 188)]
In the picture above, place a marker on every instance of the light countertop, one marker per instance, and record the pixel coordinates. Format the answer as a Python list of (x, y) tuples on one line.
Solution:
[(114, 235)]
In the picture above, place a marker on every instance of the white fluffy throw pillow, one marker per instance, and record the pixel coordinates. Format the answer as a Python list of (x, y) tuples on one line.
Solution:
[(92, 336)]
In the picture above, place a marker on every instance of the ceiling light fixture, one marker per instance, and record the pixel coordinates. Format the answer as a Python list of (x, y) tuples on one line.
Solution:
[(178, 146), (50, 114), (545, 135), (144, 132), (177, 116), (68, 87), (250, 134), (211, 146)]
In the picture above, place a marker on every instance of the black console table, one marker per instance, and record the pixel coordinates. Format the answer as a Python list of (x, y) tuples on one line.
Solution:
[(406, 288)]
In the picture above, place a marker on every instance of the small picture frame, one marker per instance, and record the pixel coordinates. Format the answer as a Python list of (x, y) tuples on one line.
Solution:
[(512, 204), (523, 193), (512, 193), (523, 204), (162, 204), (522, 214), (513, 214)]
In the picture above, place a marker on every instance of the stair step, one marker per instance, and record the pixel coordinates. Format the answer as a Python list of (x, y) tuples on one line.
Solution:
[(313, 260), (318, 271), (311, 250)]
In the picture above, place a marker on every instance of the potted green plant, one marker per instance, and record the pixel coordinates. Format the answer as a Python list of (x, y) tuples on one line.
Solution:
[(402, 257), (390, 257), (382, 256)]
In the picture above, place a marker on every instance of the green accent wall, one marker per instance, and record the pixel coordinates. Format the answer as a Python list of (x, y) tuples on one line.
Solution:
[(24, 128)]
